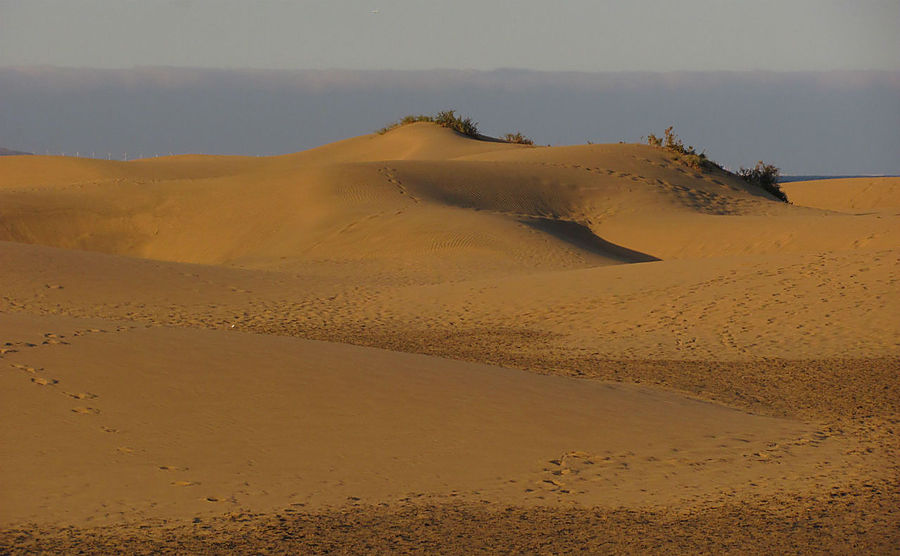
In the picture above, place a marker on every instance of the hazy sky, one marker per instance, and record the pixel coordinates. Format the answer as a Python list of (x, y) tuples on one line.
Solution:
[(586, 35)]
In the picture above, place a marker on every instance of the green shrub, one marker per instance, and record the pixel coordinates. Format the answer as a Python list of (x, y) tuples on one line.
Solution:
[(445, 118), (764, 176), (517, 138)]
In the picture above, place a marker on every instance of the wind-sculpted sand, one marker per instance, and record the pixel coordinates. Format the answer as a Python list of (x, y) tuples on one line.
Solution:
[(850, 195), (189, 353)]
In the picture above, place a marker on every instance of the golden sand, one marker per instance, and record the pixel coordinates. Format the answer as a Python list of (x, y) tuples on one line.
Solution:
[(708, 352)]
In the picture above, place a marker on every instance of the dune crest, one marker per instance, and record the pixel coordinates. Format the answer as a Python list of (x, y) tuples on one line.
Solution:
[(214, 343), (406, 195)]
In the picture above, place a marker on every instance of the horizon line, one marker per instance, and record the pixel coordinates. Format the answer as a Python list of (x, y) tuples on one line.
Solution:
[(447, 69)]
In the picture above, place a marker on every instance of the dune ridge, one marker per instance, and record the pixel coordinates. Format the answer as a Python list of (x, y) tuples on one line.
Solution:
[(385, 197), (221, 338)]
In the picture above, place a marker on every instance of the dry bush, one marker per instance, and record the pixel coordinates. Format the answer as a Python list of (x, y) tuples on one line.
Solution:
[(765, 176), (445, 118), (517, 138)]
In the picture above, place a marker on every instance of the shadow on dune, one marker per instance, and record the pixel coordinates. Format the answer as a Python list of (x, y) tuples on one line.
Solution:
[(582, 237)]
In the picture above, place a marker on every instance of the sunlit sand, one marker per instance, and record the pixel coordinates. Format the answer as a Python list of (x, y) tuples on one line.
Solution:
[(421, 319)]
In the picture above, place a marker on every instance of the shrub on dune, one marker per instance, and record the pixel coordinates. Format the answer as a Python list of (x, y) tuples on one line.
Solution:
[(765, 176), (410, 119), (445, 118), (448, 118), (688, 155), (517, 138)]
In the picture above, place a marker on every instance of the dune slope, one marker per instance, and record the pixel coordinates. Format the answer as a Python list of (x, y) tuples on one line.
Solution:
[(418, 193), (166, 422), (175, 344)]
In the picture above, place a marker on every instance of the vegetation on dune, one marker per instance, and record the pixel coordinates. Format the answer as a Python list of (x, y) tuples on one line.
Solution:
[(517, 138), (445, 118), (688, 155), (764, 176), (449, 119), (410, 119)]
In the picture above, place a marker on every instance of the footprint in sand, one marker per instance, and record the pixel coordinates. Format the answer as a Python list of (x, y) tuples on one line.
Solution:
[(81, 395), (86, 410), (185, 483), (87, 331), (43, 381), (52, 339), (25, 368)]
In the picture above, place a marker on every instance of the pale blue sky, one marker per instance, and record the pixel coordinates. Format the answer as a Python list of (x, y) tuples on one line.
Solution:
[(585, 35)]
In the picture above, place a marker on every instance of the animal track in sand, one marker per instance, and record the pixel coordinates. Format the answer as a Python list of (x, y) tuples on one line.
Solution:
[(43, 381), (86, 410)]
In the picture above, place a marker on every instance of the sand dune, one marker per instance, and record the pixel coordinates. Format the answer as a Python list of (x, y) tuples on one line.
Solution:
[(379, 198), (157, 318), (750, 308), (172, 423), (853, 195)]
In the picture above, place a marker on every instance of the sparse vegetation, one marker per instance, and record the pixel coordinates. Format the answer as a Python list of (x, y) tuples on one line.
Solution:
[(445, 118), (410, 119), (688, 155), (517, 138), (765, 176), (460, 124), (448, 118)]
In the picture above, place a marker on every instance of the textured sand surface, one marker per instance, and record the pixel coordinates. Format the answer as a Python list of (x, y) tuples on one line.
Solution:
[(853, 195), (190, 422), (725, 365)]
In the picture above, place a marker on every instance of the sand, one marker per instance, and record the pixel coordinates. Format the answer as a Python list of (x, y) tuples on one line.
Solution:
[(236, 353), (850, 195)]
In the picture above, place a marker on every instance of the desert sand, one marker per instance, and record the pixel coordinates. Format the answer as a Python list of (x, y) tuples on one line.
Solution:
[(419, 341), (848, 195)]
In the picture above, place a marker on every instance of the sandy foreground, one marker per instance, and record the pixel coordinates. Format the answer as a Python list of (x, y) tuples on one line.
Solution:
[(422, 342)]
